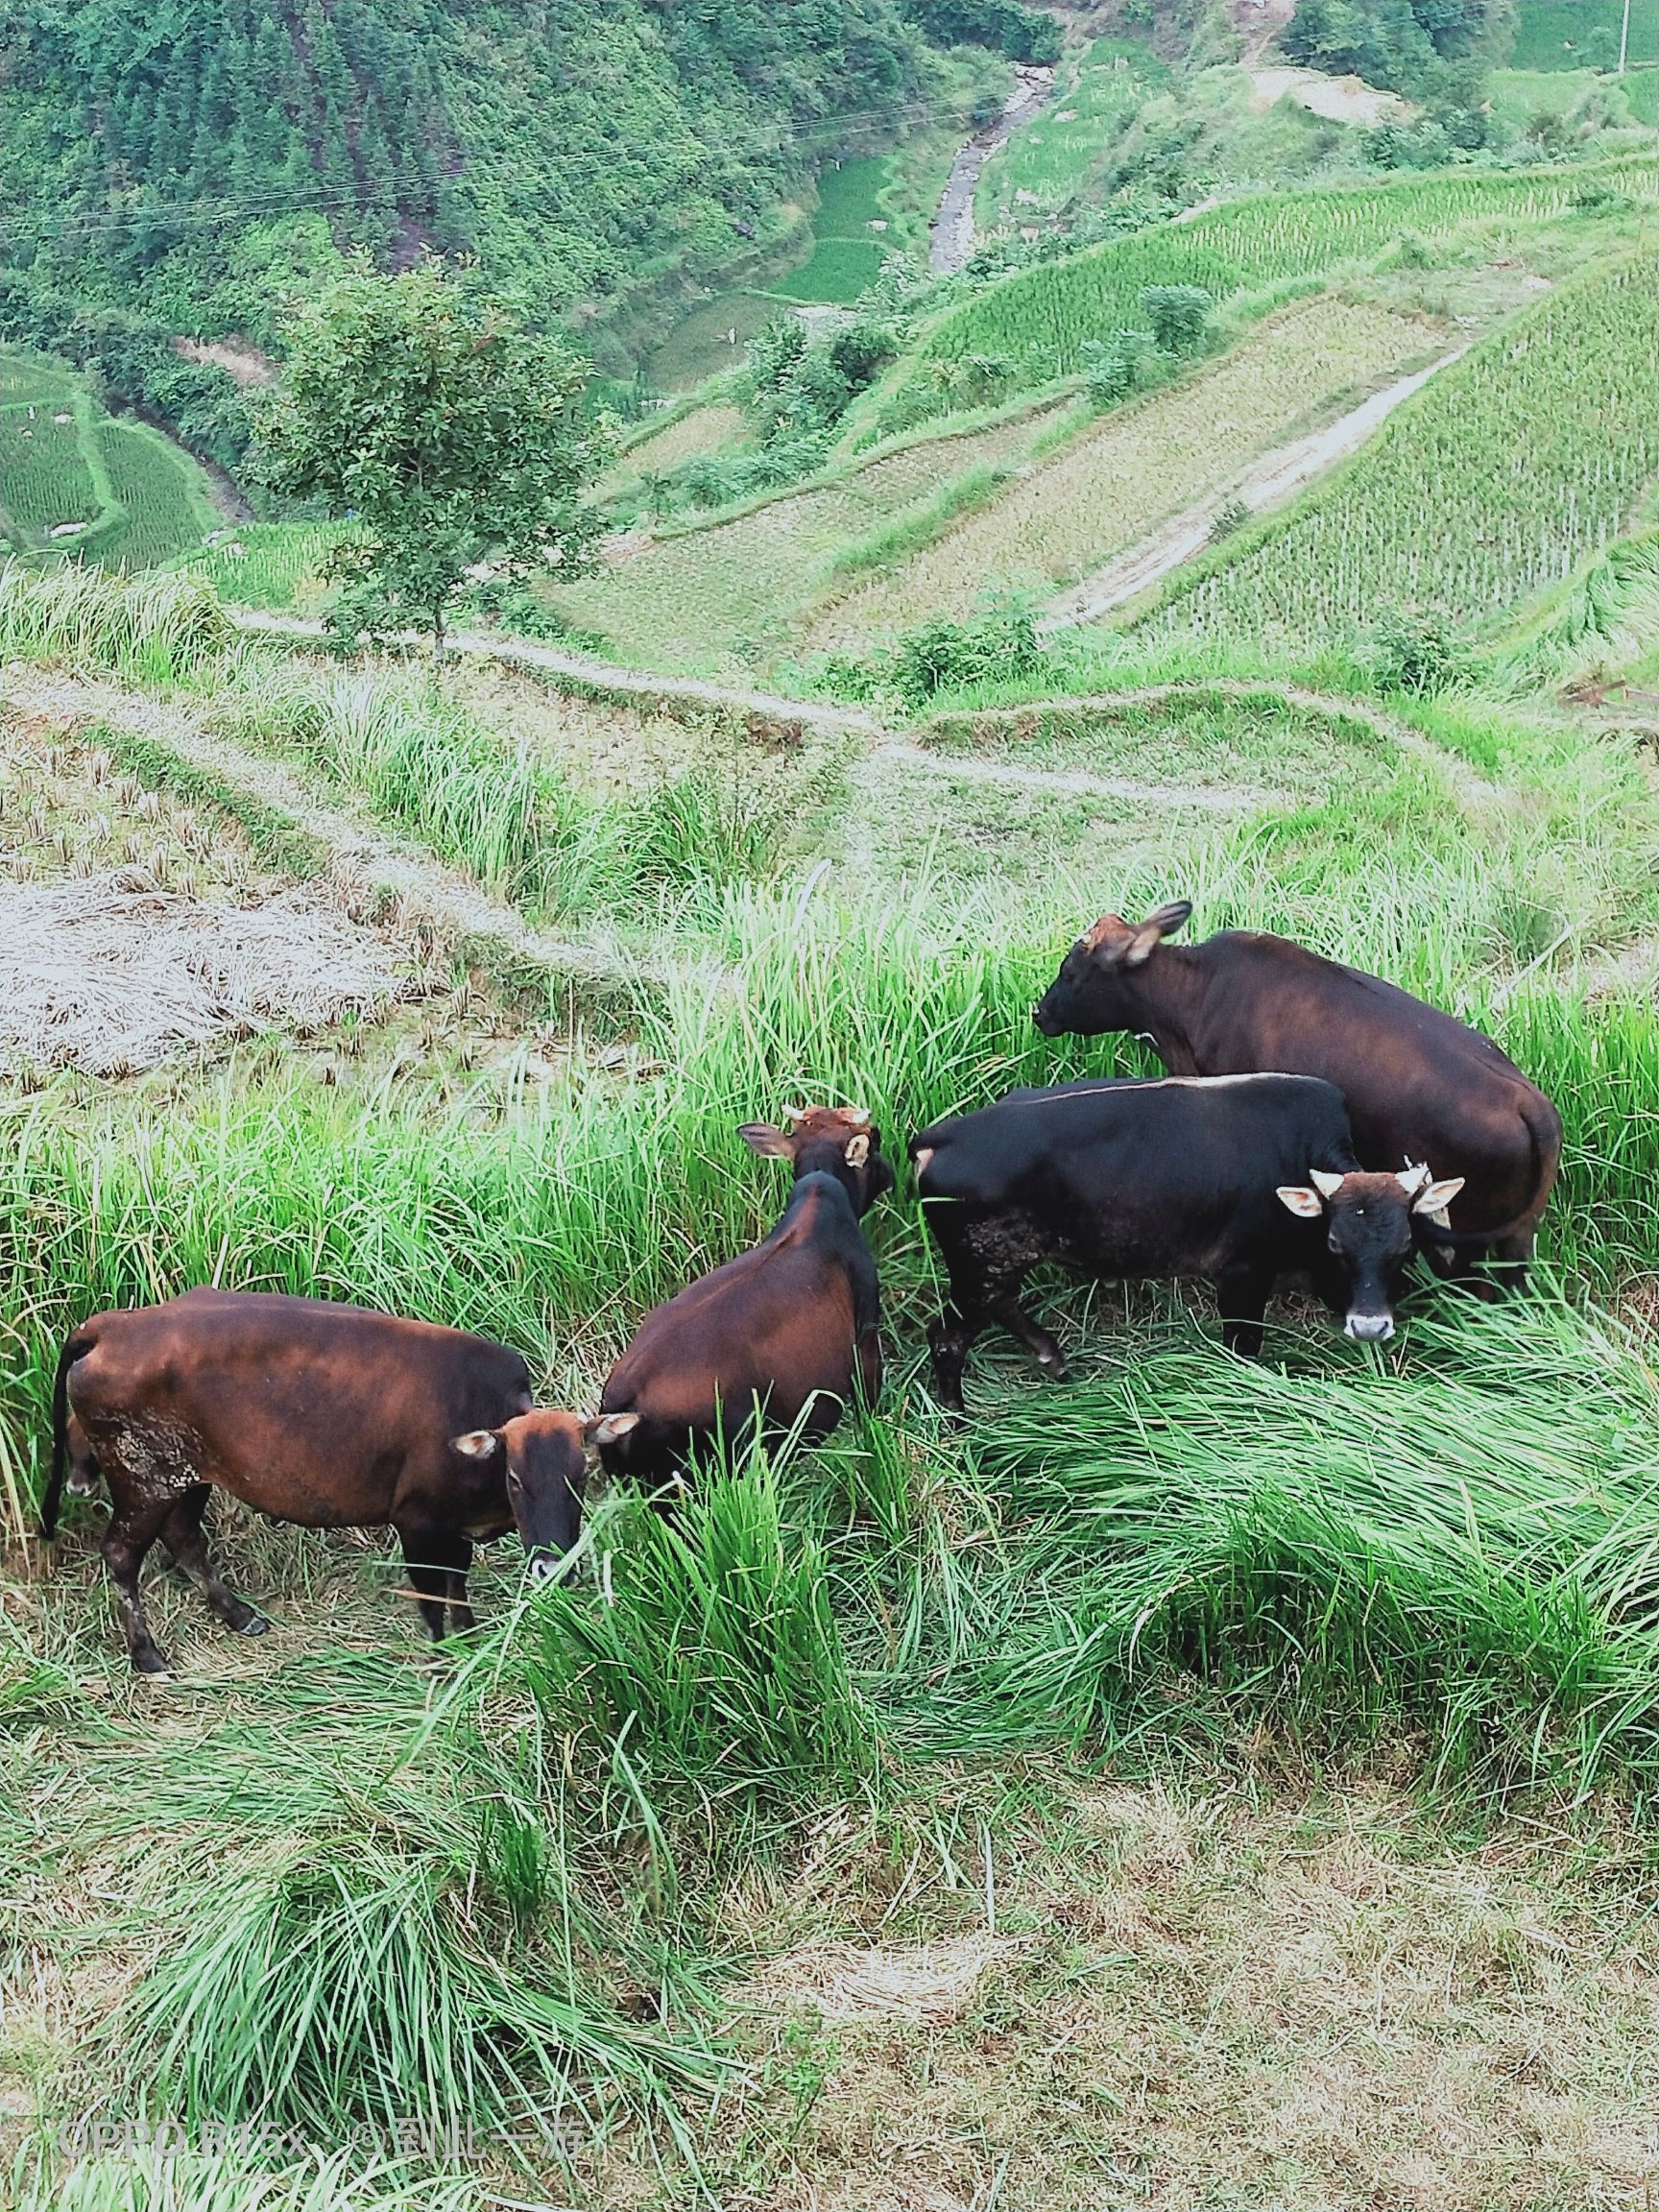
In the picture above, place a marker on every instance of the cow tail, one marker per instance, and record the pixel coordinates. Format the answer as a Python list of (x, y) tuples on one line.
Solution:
[(76, 1348)]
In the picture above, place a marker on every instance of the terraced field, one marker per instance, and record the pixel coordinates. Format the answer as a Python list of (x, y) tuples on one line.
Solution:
[(733, 587), (1494, 483), (138, 499), (1054, 156), (1036, 320), (1111, 487)]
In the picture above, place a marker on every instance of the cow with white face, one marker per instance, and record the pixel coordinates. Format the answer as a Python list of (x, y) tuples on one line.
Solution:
[(1369, 1231), (1238, 1180)]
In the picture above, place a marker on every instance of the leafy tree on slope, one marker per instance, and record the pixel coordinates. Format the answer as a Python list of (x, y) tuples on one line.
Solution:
[(451, 437)]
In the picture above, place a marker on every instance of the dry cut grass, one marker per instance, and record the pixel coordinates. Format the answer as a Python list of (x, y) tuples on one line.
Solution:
[(1219, 1998), (1141, 464)]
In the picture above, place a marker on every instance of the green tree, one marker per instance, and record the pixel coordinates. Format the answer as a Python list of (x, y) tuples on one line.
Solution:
[(449, 435)]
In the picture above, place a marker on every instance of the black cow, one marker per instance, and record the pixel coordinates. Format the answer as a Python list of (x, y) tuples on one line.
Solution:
[(791, 1325), (1236, 1179), (1420, 1086), (327, 1415)]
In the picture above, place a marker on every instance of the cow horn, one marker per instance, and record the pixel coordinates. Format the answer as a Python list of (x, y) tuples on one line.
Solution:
[(1325, 1184), (1413, 1177), (793, 1114), (859, 1117)]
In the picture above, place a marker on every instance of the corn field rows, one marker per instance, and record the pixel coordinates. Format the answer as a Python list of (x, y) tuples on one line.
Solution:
[(1042, 316), (1497, 481)]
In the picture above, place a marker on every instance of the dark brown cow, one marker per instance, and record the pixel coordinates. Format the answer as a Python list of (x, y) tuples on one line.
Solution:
[(1422, 1089), (331, 1416), (790, 1325)]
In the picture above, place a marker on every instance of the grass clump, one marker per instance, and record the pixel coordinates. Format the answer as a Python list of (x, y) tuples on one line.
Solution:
[(157, 626), (711, 1651)]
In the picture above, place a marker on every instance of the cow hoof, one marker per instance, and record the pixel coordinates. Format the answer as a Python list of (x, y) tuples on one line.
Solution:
[(156, 1664), (255, 1625)]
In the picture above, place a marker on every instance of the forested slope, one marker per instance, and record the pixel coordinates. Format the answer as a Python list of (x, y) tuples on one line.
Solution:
[(180, 167)]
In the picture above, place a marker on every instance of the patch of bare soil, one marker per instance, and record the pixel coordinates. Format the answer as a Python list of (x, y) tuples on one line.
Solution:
[(1337, 99), (110, 975), (243, 363)]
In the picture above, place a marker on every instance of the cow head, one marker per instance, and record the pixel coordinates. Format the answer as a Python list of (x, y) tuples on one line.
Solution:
[(1094, 990), (836, 1140), (543, 1458), (1369, 1233)]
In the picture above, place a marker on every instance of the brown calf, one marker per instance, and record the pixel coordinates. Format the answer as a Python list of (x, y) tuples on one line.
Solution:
[(790, 1326), (326, 1416)]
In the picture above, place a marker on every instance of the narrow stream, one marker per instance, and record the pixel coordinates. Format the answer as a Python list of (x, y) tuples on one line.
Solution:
[(952, 239)]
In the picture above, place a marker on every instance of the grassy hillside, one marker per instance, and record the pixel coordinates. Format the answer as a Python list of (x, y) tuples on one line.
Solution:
[(1580, 33), (851, 1791), (1493, 483)]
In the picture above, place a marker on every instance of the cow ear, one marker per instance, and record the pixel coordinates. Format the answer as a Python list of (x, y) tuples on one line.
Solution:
[(768, 1139), (857, 1152), (1437, 1197), (476, 1444), (608, 1428), (1324, 1182), (1301, 1200), (1144, 942)]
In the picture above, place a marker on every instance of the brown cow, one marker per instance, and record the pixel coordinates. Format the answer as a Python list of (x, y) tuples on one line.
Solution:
[(1422, 1088), (327, 1415), (791, 1325)]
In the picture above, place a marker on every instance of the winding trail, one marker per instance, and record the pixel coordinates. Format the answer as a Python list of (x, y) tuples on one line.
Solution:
[(605, 678), (1270, 481), (776, 709)]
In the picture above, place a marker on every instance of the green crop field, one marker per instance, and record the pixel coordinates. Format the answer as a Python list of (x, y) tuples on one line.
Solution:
[(1037, 319), (1556, 34), (1140, 464), (1491, 485), (140, 498), (838, 270)]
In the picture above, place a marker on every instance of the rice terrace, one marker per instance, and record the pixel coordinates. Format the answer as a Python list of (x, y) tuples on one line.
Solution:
[(830, 1107)]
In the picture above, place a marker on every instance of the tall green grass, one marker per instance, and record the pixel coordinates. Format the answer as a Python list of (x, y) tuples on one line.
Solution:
[(163, 2175), (161, 627)]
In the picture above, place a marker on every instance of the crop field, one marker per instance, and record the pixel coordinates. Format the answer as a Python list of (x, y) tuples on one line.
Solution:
[(1056, 154), (1496, 482), (1555, 33), (1201, 1783), (731, 588), (140, 498), (1038, 319), (846, 258), (1140, 464)]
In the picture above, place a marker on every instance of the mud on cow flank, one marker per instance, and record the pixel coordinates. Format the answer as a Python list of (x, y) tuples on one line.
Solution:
[(1420, 1085), (1239, 1180), (789, 1327), (327, 1415)]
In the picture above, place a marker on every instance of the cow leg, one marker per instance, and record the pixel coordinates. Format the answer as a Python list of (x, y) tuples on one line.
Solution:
[(437, 1561), (1510, 1256), (1241, 1293), (1013, 1316), (127, 1537), (462, 1619), (948, 1339), (183, 1534)]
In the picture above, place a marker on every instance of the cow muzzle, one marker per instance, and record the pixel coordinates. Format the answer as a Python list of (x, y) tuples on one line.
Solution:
[(1369, 1328)]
